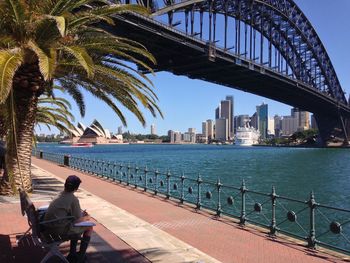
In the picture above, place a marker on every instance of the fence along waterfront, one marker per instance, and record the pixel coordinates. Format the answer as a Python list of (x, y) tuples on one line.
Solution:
[(315, 223)]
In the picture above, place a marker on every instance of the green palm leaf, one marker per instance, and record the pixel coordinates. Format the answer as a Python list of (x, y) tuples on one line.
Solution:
[(9, 63)]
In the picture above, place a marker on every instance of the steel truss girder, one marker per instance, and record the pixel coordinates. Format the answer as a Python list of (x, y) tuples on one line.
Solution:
[(307, 63)]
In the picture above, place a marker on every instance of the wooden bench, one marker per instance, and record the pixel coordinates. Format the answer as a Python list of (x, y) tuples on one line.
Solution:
[(37, 225)]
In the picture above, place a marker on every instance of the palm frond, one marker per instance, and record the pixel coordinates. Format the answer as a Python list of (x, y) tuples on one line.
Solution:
[(46, 63), (9, 63)]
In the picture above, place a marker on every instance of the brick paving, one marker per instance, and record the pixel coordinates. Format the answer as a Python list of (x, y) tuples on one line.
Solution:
[(104, 246), (220, 238)]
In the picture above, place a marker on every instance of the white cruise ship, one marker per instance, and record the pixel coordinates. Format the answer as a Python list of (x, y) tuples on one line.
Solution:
[(246, 136)]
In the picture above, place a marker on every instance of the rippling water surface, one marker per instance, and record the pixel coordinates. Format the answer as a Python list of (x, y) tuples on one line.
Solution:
[(293, 171)]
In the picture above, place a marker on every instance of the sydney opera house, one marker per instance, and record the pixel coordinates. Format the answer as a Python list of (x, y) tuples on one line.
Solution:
[(95, 134)]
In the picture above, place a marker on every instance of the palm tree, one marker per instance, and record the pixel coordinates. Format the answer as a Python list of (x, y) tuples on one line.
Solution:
[(56, 42), (51, 112)]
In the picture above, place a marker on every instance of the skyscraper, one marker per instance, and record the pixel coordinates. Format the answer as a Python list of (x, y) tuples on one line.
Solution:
[(303, 118), (262, 119), (153, 129), (226, 113), (278, 125), (221, 129), (231, 121), (217, 113), (205, 129), (210, 129)]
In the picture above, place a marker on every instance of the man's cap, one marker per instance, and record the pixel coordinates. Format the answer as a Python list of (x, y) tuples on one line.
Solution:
[(73, 180)]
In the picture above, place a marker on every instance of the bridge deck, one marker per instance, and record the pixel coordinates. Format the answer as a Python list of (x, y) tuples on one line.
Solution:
[(221, 239), (185, 55)]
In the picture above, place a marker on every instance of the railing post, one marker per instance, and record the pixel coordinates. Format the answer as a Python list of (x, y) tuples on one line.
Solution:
[(120, 172), (182, 199), (65, 160), (156, 182), (312, 235), (135, 176), (199, 181), (218, 207), (243, 214), (128, 175), (273, 211), (103, 166), (114, 171), (145, 185), (168, 184)]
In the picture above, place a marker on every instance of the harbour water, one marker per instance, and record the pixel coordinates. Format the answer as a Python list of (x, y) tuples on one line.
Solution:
[(293, 171)]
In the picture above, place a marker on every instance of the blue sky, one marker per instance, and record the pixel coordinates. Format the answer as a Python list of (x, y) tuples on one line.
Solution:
[(186, 103)]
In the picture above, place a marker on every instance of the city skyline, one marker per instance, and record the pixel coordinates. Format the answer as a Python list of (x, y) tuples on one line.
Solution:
[(186, 102)]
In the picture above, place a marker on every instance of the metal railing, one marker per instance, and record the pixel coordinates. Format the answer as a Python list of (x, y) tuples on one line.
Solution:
[(307, 220)]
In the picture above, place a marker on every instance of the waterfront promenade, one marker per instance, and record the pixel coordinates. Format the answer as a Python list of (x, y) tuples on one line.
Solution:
[(134, 226)]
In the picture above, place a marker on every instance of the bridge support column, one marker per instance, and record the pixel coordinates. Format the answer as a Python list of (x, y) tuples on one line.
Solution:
[(333, 129)]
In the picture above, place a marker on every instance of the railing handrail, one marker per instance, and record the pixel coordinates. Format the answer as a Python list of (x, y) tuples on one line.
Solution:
[(192, 190)]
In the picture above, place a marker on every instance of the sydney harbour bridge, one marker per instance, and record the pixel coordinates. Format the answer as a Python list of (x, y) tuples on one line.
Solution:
[(265, 47)]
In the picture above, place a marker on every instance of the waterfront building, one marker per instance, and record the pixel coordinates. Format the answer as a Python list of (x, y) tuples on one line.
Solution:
[(95, 134), (190, 135), (153, 129), (177, 137), (205, 130), (278, 125), (210, 130), (200, 138), (232, 116), (289, 125), (174, 136), (226, 113), (262, 119), (221, 129), (78, 130), (171, 136), (303, 118), (271, 126)]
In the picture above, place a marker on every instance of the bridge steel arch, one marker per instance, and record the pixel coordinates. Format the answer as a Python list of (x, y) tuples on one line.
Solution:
[(288, 50)]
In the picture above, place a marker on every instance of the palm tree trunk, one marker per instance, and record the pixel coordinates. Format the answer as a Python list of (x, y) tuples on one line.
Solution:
[(27, 88)]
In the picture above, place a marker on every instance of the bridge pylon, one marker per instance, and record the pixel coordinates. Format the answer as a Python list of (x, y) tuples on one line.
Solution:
[(333, 130)]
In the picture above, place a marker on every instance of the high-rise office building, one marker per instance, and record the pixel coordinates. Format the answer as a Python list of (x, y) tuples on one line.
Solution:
[(153, 129), (289, 125), (221, 129), (217, 113), (210, 129), (262, 119), (232, 116), (226, 113), (174, 136), (278, 125), (303, 118), (205, 129)]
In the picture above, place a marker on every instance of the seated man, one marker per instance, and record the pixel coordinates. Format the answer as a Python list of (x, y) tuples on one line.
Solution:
[(67, 204)]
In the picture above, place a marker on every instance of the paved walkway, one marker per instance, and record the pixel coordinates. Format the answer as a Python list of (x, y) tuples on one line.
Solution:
[(157, 230)]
